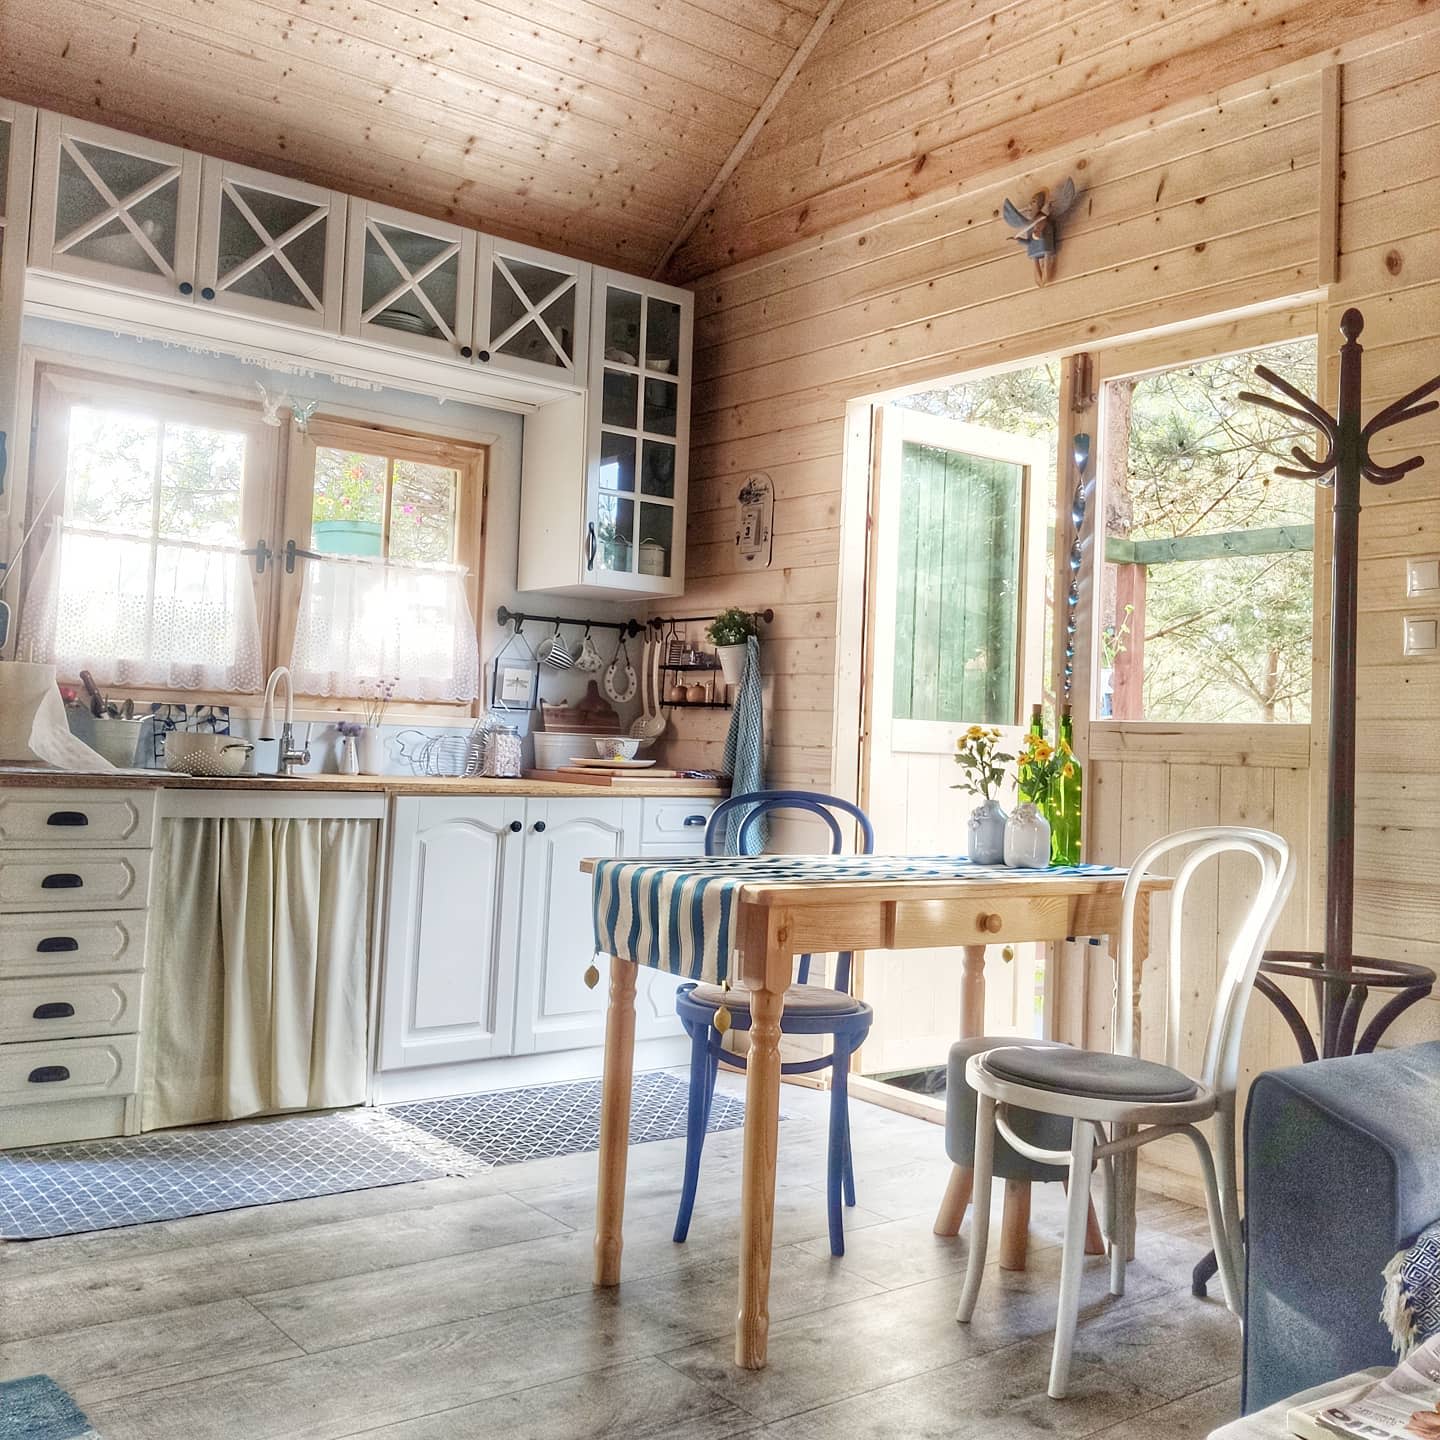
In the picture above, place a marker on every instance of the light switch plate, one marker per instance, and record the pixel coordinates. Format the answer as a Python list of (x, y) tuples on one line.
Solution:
[(1422, 575), (1422, 635)]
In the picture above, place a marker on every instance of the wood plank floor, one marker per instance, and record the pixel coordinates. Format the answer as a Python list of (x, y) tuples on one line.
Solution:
[(463, 1308)]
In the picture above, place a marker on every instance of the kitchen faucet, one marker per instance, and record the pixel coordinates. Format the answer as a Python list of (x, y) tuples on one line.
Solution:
[(289, 756)]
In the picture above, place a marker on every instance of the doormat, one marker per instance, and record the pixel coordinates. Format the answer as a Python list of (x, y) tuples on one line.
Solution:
[(36, 1408), (171, 1174)]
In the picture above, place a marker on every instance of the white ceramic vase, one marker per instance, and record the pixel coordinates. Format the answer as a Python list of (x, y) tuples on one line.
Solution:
[(1027, 838), (732, 662), (987, 833), (371, 745), (349, 756)]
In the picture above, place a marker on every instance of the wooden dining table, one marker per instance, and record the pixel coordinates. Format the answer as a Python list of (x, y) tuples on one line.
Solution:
[(744, 920)]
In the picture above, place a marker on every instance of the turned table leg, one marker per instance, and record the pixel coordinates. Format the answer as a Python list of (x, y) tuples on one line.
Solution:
[(615, 1122)]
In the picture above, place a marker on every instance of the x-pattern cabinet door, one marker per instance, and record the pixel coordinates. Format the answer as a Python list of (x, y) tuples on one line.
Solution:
[(114, 208), (409, 281), (17, 154), (270, 247), (531, 311)]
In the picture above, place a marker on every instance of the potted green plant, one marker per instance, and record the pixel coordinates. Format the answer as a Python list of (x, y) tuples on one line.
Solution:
[(729, 632)]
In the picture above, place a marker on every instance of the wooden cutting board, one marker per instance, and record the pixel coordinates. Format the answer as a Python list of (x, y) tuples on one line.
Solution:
[(663, 782)]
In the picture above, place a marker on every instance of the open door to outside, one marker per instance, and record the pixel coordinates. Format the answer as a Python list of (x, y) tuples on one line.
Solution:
[(958, 585)]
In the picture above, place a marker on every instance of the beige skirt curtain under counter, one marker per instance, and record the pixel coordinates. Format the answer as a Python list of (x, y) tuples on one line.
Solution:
[(256, 992)]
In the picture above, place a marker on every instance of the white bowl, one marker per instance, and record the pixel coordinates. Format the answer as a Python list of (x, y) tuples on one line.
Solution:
[(616, 747)]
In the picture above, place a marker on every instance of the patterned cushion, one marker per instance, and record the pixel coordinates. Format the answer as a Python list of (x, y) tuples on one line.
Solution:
[(1093, 1074), (810, 999)]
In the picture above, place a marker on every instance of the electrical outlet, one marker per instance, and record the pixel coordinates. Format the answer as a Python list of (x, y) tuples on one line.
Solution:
[(1422, 635), (1422, 576)]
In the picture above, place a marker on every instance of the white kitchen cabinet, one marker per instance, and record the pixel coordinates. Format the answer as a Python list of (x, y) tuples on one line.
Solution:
[(114, 208), (452, 930), (532, 312), (556, 1010), (409, 281), (270, 247), (604, 483), (17, 157)]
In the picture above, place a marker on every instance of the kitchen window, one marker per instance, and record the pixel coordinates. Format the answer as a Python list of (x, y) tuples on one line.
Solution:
[(383, 597), (151, 503)]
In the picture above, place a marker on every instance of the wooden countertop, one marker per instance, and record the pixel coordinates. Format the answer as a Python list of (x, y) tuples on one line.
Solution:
[(380, 784)]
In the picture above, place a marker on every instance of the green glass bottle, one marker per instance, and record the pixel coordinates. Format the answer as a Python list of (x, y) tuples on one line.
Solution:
[(1066, 800), (1022, 779)]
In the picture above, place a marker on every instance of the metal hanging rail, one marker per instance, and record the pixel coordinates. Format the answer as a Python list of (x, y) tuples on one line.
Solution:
[(766, 615), (506, 616)]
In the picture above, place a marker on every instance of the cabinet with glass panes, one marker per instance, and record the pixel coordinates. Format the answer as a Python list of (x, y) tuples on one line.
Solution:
[(639, 434), (17, 151)]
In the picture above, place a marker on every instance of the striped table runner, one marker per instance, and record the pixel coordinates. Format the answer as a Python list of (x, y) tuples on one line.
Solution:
[(675, 915)]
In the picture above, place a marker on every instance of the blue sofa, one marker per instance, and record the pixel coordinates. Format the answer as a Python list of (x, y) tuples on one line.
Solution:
[(1342, 1169)]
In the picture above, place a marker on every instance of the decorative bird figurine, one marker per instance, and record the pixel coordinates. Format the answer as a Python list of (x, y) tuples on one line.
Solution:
[(1035, 226)]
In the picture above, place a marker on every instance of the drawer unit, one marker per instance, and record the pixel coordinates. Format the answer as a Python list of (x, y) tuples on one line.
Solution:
[(73, 879), (47, 1070), (51, 817), (72, 943), (675, 820), (68, 1006)]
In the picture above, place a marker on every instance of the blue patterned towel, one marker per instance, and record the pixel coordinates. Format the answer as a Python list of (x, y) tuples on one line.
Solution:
[(676, 914), (744, 759), (1411, 1307)]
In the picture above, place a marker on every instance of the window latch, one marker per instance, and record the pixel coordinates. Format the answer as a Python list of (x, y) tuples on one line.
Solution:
[(293, 551), (263, 555)]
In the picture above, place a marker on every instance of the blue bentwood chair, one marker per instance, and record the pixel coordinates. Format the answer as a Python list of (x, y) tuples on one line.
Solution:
[(809, 1010)]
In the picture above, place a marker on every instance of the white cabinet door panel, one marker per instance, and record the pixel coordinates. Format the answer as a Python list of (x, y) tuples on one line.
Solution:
[(557, 940), (450, 943)]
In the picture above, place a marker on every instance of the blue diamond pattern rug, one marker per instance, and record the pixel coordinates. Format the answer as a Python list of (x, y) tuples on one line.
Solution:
[(169, 1174), (36, 1408)]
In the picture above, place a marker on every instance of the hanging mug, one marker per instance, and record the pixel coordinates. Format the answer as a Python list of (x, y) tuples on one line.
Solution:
[(589, 658)]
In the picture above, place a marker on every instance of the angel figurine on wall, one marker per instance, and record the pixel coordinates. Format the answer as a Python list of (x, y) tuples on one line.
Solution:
[(1034, 226)]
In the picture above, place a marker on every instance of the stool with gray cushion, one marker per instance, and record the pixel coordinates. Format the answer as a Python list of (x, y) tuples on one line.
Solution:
[(1047, 1132)]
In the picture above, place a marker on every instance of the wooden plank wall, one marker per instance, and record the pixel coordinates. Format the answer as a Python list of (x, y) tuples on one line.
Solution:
[(904, 100), (1208, 209)]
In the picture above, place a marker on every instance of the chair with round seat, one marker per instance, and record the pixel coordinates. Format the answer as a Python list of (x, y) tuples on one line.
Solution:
[(809, 1010), (1138, 1100)]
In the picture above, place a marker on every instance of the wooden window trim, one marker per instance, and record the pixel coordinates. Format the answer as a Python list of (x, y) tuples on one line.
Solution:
[(471, 460)]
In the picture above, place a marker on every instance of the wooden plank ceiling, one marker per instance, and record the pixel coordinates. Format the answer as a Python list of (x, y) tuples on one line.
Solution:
[(589, 126)]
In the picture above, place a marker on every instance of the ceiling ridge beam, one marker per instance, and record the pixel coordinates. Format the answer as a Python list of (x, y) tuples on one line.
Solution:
[(752, 131)]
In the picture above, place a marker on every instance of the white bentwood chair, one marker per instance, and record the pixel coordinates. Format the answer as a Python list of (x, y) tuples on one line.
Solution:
[(1139, 1099)]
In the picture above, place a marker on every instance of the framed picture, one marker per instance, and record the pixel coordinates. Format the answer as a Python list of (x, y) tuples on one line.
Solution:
[(514, 685)]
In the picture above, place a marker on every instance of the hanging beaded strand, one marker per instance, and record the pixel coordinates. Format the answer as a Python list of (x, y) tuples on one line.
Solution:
[(1072, 595)]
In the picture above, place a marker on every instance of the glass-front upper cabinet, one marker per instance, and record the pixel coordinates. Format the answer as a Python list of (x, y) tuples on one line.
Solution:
[(639, 434), (409, 281), (17, 153), (114, 208), (270, 247), (532, 311)]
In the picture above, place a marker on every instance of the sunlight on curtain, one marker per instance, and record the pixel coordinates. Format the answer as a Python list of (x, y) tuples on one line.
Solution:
[(364, 623), (143, 611)]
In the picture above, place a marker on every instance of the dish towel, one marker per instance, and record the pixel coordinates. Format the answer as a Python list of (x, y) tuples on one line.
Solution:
[(1411, 1308), (745, 755)]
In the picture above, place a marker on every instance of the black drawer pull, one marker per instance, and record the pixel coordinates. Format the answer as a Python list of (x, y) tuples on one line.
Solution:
[(53, 1010), (57, 945), (73, 819), (694, 821), (46, 1074), (62, 881)]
